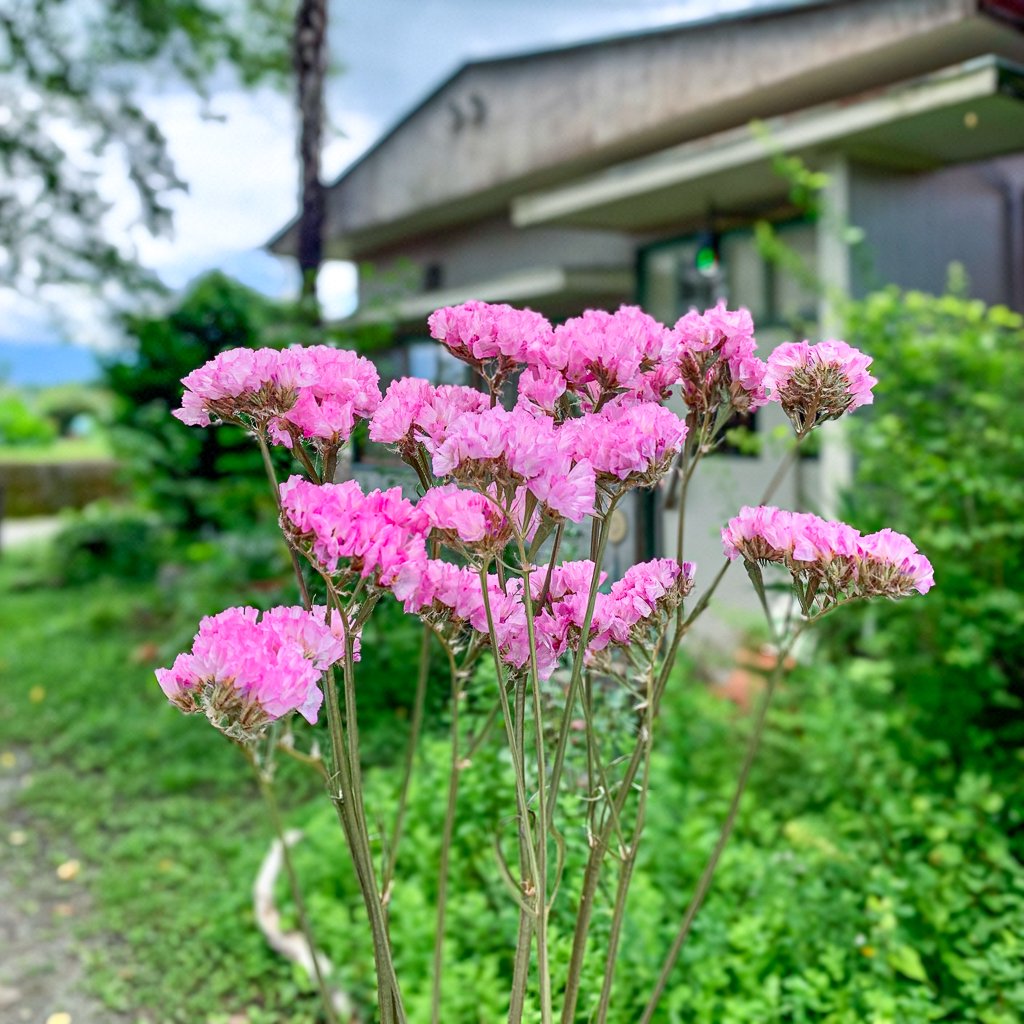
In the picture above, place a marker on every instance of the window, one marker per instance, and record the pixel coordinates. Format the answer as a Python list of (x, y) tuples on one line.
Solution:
[(678, 275)]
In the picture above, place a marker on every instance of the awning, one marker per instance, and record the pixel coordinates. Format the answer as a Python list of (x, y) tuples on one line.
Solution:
[(968, 112), (554, 291)]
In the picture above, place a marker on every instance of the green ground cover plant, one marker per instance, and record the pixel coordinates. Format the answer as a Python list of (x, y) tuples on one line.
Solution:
[(862, 884)]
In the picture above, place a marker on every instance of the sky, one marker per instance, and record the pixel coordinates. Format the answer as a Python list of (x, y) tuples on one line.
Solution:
[(240, 165)]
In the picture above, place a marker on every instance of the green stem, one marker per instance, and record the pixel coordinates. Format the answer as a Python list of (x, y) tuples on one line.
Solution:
[(528, 859), (446, 843), (543, 964), (629, 859), (389, 993), (415, 728), (707, 876), (268, 466), (274, 813), (558, 761)]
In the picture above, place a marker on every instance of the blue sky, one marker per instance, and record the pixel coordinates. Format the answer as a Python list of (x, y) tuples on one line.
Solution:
[(240, 165)]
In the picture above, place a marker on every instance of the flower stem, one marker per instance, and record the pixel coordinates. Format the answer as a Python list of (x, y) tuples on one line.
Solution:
[(268, 465), (274, 813), (543, 963), (446, 844), (629, 858), (514, 732), (415, 728), (707, 876)]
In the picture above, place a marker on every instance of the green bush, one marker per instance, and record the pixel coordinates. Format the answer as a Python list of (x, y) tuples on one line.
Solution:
[(108, 540), (193, 477), (21, 424), (949, 412), (857, 887)]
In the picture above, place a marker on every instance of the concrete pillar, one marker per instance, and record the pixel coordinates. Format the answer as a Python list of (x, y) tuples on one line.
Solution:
[(834, 272)]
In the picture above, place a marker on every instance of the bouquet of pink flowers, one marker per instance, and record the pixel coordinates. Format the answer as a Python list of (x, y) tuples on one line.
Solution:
[(566, 422)]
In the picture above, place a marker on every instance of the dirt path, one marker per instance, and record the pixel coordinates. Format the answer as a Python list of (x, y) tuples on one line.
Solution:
[(41, 970)]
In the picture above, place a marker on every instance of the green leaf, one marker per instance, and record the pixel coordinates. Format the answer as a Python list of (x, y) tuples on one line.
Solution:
[(907, 961)]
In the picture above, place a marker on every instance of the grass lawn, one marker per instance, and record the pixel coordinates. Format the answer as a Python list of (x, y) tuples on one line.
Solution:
[(158, 810), (65, 449)]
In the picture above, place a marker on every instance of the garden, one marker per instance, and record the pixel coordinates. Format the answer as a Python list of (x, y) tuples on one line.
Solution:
[(873, 864)]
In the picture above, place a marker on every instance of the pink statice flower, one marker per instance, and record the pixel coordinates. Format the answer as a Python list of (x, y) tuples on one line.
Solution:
[(718, 364), (542, 387), (299, 394), (830, 561), (626, 353), (414, 411), (474, 519), (226, 386), (629, 444), (492, 338), (815, 383), (378, 536), (243, 671), (891, 566), (515, 449)]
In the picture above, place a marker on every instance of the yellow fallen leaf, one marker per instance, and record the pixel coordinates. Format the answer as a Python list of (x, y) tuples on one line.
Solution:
[(59, 1018), (8, 759), (18, 837), (37, 694), (68, 870)]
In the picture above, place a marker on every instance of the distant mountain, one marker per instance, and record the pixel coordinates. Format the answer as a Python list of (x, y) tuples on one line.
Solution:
[(45, 363)]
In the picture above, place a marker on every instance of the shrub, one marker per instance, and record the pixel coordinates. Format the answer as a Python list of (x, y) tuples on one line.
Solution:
[(20, 424), (858, 887), (949, 413), (192, 477), (108, 540)]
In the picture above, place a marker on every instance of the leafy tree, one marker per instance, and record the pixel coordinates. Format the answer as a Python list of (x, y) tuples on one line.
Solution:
[(70, 107), (192, 476)]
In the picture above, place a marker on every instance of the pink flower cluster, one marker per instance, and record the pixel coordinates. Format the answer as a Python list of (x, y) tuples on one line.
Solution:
[(833, 556), (492, 338), (517, 449), (815, 383), (313, 393), (641, 599), (718, 364), (468, 516), (244, 671), (629, 443), (379, 536), (414, 411), (624, 357)]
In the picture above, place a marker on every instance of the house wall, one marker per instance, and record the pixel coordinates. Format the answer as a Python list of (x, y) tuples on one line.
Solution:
[(489, 248), (501, 126), (917, 224)]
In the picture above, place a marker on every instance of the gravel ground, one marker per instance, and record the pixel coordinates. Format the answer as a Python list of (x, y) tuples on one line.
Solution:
[(41, 971)]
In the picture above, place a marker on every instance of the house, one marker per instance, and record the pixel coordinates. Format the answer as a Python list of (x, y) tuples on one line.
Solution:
[(635, 168)]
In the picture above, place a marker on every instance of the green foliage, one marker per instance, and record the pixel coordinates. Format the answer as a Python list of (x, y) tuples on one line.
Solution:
[(870, 878), (857, 887), (74, 71), (22, 425), (71, 404), (105, 539), (191, 476), (949, 412), (160, 811)]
